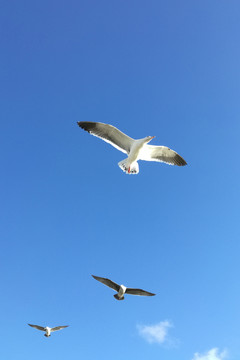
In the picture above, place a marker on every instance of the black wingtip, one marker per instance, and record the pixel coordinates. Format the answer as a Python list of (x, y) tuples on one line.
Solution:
[(87, 125), (184, 163), (82, 124), (179, 161)]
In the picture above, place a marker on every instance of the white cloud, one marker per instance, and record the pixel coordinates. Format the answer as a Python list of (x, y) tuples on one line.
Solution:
[(212, 354), (157, 333)]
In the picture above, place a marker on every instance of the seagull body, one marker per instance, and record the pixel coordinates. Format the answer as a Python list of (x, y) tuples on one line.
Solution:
[(135, 149), (47, 329), (121, 292), (121, 289)]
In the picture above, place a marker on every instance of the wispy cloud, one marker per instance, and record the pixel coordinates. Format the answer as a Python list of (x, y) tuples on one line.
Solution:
[(157, 333), (213, 354)]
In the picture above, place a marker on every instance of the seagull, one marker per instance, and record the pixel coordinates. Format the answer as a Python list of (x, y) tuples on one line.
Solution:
[(47, 329), (121, 289), (135, 149)]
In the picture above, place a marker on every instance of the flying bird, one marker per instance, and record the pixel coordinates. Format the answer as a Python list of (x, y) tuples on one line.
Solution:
[(121, 289), (47, 329), (135, 149)]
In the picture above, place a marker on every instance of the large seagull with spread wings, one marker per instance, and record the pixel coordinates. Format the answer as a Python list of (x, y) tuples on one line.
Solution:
[(135, 149), (121, 289), (47, 329)]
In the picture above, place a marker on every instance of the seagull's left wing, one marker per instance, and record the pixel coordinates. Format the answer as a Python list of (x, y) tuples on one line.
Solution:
[(59, 328), (162, 154), (108, 133), (138, 292), (37, 327), (107, 282)]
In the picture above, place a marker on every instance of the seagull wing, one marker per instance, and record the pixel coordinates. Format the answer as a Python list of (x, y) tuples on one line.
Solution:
[(37, 327), (107, 282), (138, 292), (162, 154), (59, 328), (108, 133)]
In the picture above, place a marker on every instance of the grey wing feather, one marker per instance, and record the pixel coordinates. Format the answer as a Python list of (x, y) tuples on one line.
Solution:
[(138, 292), (107, 282), (162, 154), (37, 327), (59, 327), (109, 134)]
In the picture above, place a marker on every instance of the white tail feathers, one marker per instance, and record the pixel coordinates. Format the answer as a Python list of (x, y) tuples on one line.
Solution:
[(129, 168)]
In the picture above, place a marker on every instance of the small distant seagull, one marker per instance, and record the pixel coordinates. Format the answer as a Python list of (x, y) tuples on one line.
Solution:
[(121, 289), (47, 329), (135, 149)]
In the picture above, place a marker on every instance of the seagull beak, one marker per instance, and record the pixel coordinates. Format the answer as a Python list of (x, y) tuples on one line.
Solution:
[(153, 137)]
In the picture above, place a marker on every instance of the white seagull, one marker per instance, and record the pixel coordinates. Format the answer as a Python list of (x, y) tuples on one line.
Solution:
[(121, 289), (47, 329), (135, 149)]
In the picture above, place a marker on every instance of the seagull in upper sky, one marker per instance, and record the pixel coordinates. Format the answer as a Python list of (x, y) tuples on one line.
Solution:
[(121, 289), (47, 329), (135, 149)]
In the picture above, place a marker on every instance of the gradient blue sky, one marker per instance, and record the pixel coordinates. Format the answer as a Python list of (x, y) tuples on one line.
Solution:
[(164, 68)]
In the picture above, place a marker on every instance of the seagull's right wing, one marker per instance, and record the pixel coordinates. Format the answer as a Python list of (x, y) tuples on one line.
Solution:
[(109, 134), (107, 282), (59, 327), (37, 327), (138, 292), (162, 154)]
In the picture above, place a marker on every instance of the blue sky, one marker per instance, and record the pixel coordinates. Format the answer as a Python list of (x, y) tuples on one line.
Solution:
[(168, 69)]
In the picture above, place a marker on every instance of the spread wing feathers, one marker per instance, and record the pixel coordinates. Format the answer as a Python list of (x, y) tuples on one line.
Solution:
[(108, 133), (138, 292), (162, 154), (107, 282), (59, 328), (37, 327)]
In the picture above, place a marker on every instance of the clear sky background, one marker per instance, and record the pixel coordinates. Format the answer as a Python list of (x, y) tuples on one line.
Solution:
[(164, 68)]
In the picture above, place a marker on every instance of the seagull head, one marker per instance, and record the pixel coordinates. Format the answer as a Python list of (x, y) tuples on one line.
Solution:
[(149, 138)]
